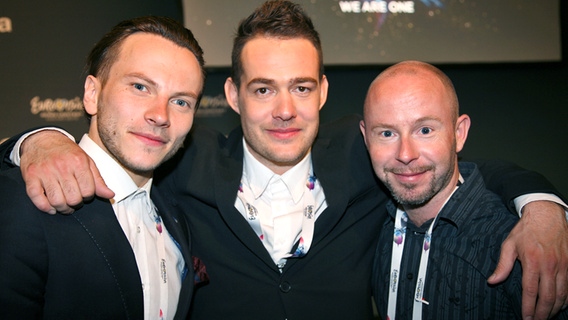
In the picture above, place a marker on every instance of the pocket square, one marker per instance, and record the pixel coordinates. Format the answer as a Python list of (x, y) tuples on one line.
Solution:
[(201, 277)]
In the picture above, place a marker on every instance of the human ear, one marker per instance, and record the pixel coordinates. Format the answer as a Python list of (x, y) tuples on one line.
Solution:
[(232, 94), (91, 95), (462, 128), (362, 128), (324, 86)]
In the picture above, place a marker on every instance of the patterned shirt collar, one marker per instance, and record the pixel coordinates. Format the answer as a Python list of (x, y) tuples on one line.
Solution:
[(116, 178), (258, 176)]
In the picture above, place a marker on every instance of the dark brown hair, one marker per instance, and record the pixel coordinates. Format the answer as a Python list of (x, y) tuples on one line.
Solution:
[(275, 18), (106, 51)]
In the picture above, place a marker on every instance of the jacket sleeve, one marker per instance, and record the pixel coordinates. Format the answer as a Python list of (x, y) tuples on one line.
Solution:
[(5, 150), (7, 146), (509, 181)]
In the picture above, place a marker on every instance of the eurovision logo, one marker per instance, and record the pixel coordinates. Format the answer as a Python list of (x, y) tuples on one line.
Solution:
[(5, 25), (213, 106), (57, 109)]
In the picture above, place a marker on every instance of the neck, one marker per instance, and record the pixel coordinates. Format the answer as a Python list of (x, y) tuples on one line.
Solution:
[(277, 167), (139, 179), (430, 209), (418, 219)]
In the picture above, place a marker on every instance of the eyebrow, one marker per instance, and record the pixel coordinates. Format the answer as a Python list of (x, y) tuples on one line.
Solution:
[(426, 119), (153, 83), (418, 121), (291, 82)]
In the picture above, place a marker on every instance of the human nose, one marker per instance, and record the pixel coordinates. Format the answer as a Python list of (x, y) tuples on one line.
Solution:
[(157, 114), (407, 150), (285, 108)]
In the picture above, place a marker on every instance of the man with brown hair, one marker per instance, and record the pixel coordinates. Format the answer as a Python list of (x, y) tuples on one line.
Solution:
[(120, 258)]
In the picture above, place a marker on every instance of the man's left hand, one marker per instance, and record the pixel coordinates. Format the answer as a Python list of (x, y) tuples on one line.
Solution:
[(540, 242)]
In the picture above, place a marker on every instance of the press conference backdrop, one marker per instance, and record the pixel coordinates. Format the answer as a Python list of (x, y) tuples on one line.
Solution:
[(504, 57)]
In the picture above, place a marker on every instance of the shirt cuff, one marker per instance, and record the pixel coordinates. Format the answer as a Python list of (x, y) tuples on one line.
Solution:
[(15, 154), (523, 200)]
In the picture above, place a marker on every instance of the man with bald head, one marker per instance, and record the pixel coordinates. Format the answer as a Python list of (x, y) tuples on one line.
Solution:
[(444, 232)]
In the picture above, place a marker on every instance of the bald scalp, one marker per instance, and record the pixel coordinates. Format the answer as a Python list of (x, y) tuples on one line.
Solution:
[(415, 69)]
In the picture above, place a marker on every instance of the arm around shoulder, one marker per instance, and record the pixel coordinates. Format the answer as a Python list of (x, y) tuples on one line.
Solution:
[(510, 181)]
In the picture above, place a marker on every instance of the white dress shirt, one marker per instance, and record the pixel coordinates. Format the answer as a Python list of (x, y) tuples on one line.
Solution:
[(276, 205), (159, 260)]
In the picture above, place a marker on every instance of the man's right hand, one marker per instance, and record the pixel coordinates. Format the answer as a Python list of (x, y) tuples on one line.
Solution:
[(59, 175)]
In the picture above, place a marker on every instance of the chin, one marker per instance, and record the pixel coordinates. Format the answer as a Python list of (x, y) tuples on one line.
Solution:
[(144, 165)]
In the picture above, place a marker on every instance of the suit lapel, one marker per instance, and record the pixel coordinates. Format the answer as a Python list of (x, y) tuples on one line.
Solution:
[(99, 221), (227, 181), (330, 162), (331, 168)]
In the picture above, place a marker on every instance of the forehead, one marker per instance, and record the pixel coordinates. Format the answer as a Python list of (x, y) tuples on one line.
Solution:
[(155, 56), (142, 45), (273, 58), (406, 97)]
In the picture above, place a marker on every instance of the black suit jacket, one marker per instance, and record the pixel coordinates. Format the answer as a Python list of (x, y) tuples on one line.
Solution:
[(78, 266), (333, 280)]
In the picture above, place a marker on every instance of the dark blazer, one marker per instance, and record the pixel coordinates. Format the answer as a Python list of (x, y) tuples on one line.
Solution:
[(333, 280), (78, 266)]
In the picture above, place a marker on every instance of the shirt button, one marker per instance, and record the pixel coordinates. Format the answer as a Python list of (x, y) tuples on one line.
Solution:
[(409, 276), (137, 229), (285, 287)]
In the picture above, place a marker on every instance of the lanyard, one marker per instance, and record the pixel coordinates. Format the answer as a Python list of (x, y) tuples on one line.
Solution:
[(397, 251), (399, 236)]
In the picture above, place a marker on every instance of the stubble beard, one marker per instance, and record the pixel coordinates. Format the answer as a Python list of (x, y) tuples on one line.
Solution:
[(408, 196), (109, 136)]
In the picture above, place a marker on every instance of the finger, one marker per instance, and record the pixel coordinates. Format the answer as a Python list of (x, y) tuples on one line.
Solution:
[(530, 291), (37, 196), (101, 188), (562, 286), (71, 191), (85, 184), (69, 172), (561, 292), (506, 262), (546, 296), (56, 196), (40, 191)]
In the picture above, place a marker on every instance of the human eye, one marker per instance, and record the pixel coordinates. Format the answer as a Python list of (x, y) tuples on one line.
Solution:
[(386, 134), (303, 90), (262, 91), (139, 87), (425, 130), (182, 103)]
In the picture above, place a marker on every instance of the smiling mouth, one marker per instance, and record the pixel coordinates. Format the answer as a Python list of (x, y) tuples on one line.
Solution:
[(150, 139), (409, 174), (284, 133)]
